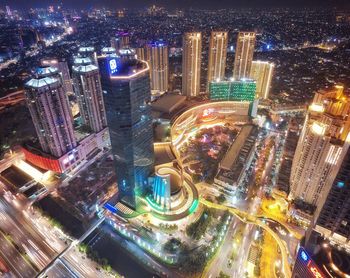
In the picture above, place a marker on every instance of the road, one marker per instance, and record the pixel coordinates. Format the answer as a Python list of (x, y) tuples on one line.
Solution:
[(240, 265), (28, 233), (251, 219), (26, 236), (60, 270), (14, 260), (64, 257), (222, 256)]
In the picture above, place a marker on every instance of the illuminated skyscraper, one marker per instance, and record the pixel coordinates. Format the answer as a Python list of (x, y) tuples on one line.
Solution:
[(191, 64), (88, 90), (49, 109), (120, 41), (141, 53), (127, 95), (158, 56), (90, 52), (323, 143), (62, 67), (262, 72), (333, 221), (8, 11), (217, 56), (244, 55)]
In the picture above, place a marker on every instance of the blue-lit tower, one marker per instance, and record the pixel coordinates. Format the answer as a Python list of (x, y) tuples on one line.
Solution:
[(126, 92), (161, 191)]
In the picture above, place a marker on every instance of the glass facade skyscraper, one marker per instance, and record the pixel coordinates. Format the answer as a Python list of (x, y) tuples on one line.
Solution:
[(126, 92)]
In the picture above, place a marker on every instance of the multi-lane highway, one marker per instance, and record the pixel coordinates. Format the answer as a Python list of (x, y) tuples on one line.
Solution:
[(15, 261), (31, 247)]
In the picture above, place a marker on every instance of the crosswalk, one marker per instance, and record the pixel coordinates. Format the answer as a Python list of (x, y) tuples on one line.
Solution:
[(124, 209)]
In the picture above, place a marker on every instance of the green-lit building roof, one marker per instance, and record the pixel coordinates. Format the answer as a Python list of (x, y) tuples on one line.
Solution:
[(235, 90)]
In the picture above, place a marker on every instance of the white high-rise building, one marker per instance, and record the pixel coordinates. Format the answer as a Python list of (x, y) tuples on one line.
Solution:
[(88, 51), (217, 56), (323, 143), (49, 109), (191, 64), (158, 58), (62, 67), (87, 85), (244, 55)]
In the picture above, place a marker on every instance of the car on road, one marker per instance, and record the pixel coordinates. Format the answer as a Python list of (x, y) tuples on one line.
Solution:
[(229, 263), (3, 268)]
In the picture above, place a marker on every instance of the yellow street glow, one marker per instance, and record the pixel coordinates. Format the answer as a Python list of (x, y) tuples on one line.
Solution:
[(31, 171)]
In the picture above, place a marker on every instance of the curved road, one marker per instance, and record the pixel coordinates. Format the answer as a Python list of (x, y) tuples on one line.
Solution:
[(249, 219)]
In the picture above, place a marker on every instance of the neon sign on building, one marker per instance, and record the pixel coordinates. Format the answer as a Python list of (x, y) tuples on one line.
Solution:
[(113, 66), (311, 266)]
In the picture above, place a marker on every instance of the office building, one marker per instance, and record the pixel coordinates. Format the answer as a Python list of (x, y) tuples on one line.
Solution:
[(262, 72), (88, 91), (217, 56), (126, 92), (242, 90), (244, 55), (158, 57), (49, 109), (322, 146), (191, 64), (62, 67)]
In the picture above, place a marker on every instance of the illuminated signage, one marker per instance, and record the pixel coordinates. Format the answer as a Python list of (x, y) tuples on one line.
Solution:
[(315, 271), (312, 268), (71, 157), (304, 256), (340, 184), (112, 66)]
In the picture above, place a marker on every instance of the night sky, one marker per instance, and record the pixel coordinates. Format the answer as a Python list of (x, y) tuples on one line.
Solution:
[(209, 4)]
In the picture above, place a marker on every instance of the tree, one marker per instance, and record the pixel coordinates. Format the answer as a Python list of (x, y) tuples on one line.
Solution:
[(223, 275)]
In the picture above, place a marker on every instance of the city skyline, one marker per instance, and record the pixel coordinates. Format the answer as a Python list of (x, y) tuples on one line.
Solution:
[(160, 142), (186, 4)]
